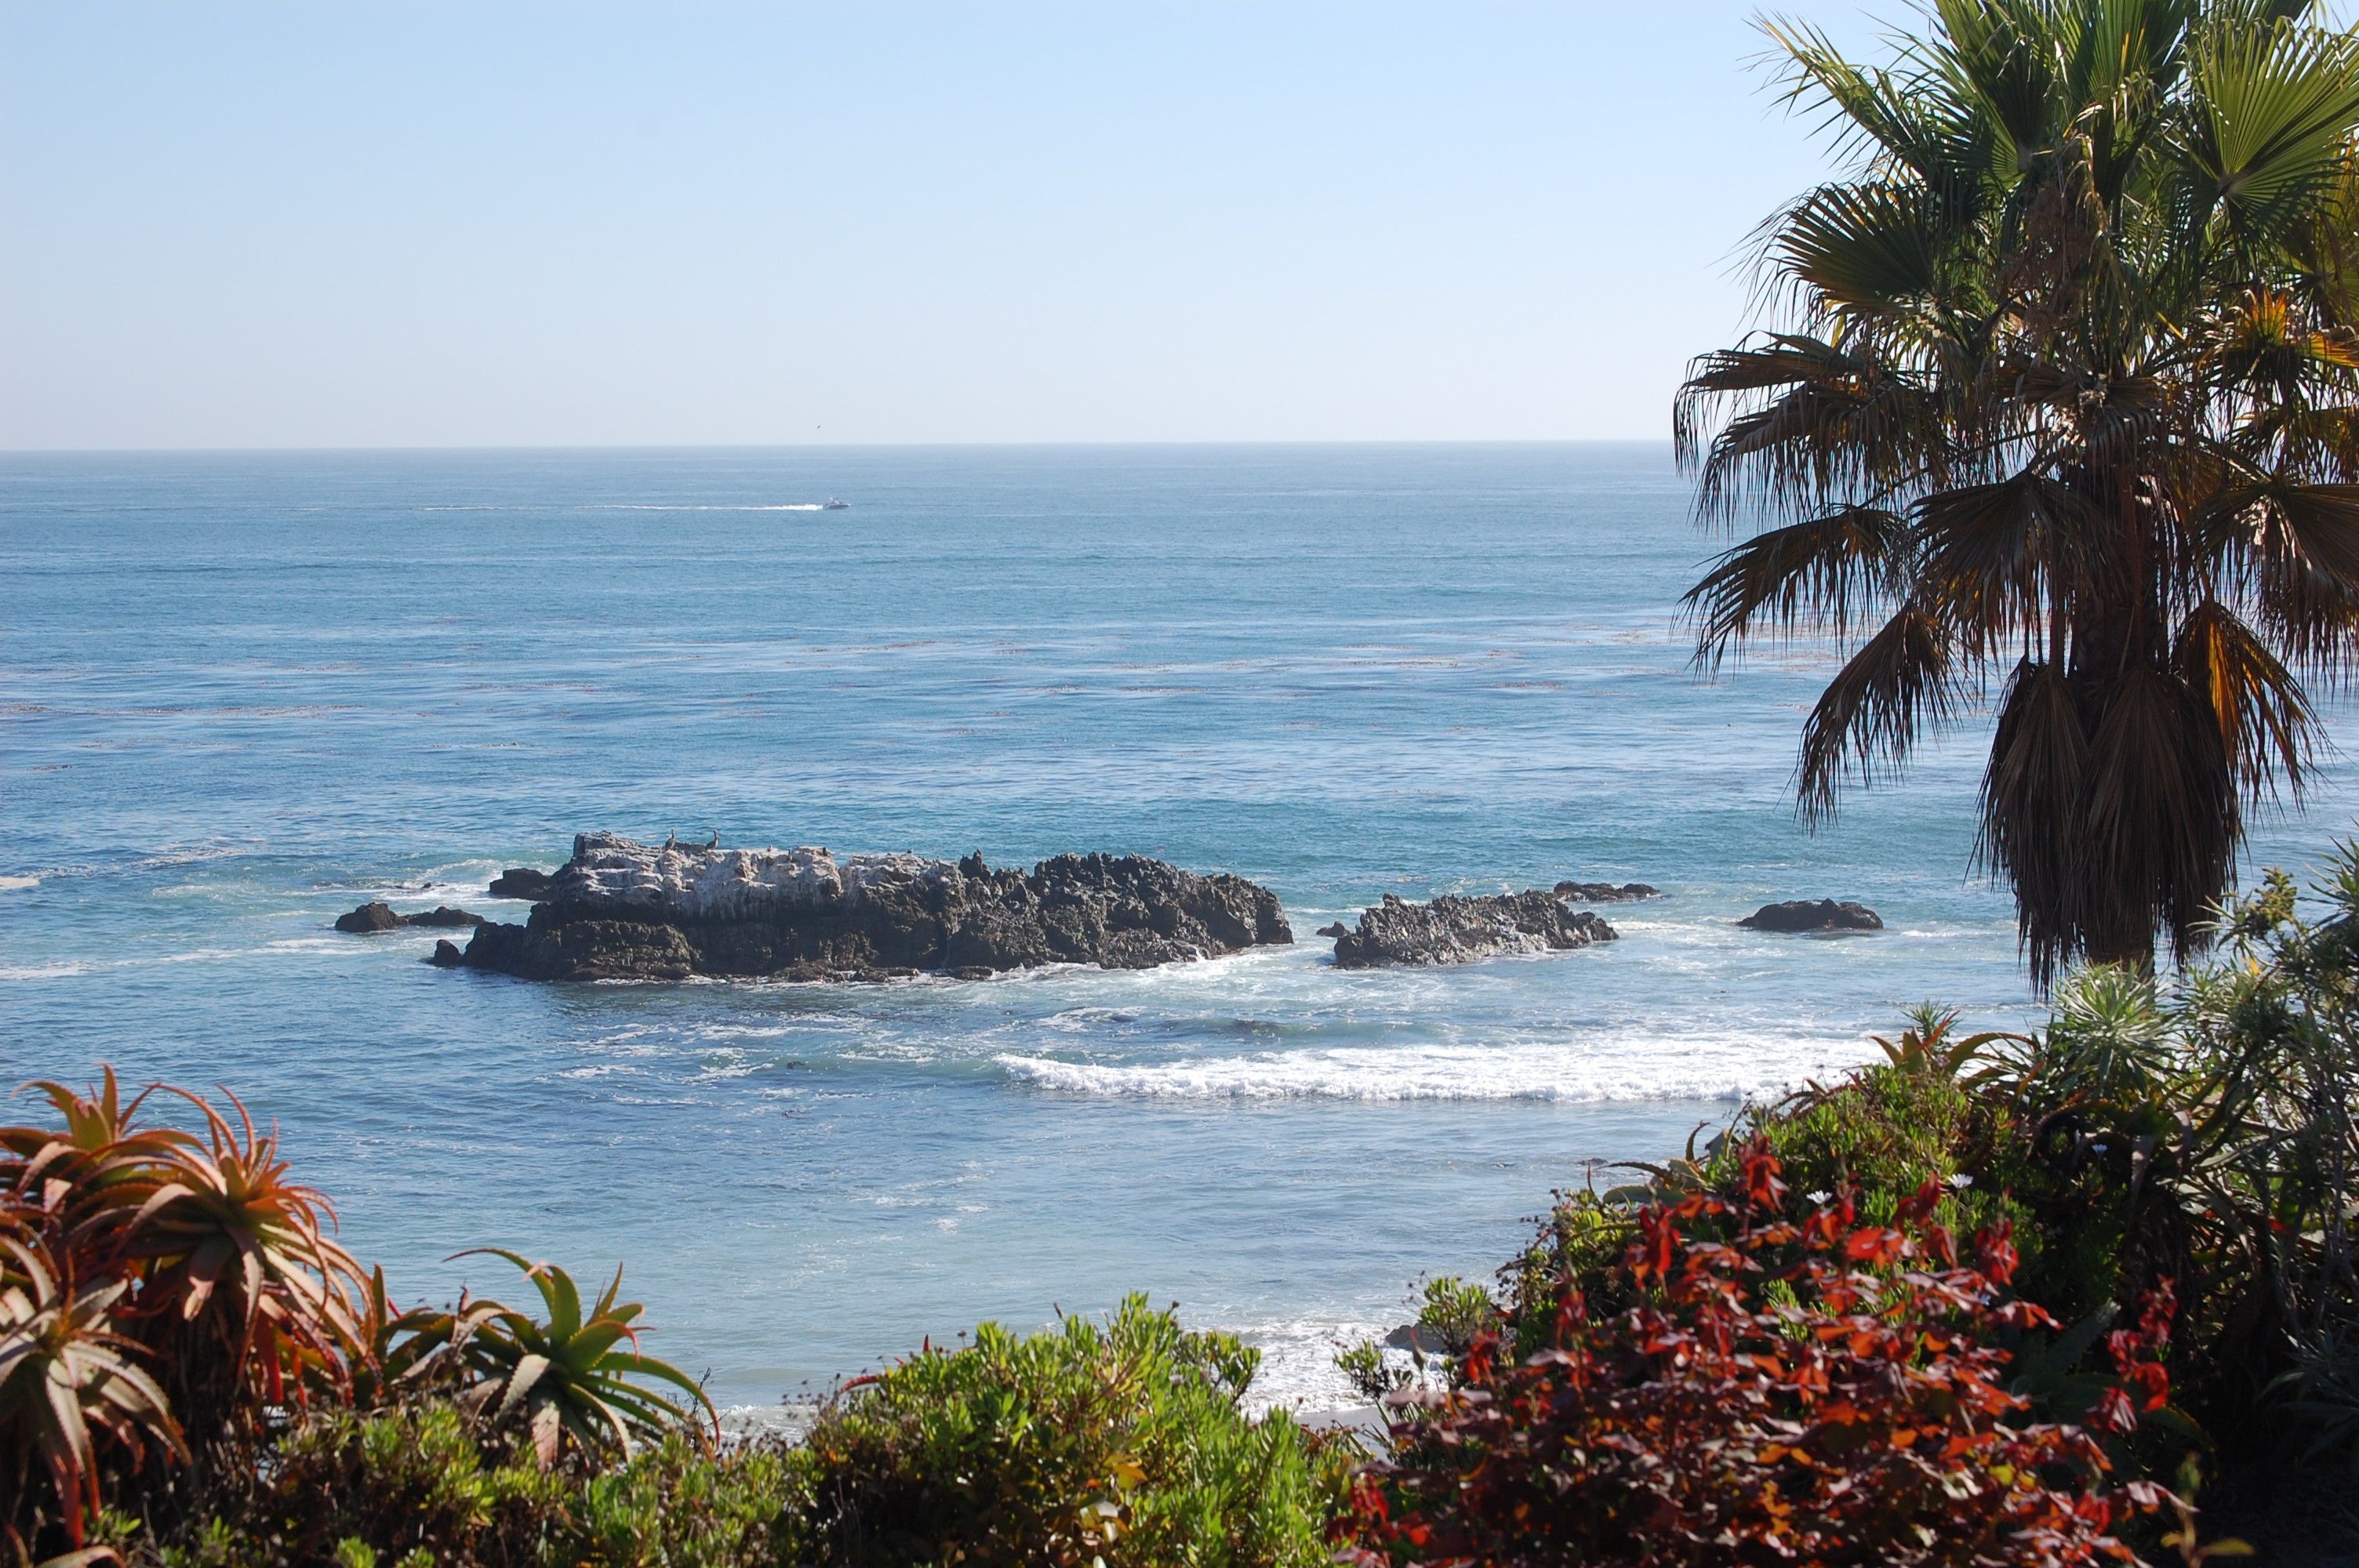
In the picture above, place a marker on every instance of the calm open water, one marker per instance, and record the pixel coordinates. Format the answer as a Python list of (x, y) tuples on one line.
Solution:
[(240, 694)]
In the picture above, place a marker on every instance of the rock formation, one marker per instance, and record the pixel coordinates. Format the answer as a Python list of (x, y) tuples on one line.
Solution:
[(1452, 930), (621, 909), (1606, 892), (520, 881), (1807, 914), (369, 918)]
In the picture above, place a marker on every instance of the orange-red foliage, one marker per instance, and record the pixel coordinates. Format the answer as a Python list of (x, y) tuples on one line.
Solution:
[(1818, 1392)]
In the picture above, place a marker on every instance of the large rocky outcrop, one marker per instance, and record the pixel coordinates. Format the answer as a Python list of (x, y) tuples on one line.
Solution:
[(1452, 930), (1803, 915), (621, 909)]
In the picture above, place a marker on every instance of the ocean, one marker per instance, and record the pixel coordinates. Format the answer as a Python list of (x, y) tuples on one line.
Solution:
[(241, 693)]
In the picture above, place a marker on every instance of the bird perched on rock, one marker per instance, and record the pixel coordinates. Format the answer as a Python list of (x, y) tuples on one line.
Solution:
[(714, 842)]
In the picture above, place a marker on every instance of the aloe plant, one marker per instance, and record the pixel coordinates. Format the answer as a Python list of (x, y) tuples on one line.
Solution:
[(67, 1379), (226, 1212), (569, 1376), (1928, 1046)]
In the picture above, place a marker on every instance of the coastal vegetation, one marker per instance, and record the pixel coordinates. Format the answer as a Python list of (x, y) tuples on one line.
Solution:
[(1996, 1294), (2062, 396), (193, 1374)]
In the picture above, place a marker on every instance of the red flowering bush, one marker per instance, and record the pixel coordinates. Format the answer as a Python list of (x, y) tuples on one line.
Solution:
[(1820, 1392)]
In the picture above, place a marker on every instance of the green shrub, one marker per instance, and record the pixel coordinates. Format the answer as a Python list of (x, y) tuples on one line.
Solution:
[(343, 1485), (1120, 1444), (428, 1484), (1455, 1313), (1363, 1366), (677, 1505)]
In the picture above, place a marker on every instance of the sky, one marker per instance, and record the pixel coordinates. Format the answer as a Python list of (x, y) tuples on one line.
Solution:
[(482, 224)]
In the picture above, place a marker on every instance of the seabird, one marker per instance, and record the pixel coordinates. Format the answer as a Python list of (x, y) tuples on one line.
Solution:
[(715, 843)]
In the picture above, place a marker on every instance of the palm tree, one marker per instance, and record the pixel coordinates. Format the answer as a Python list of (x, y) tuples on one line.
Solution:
[(2060, 398)]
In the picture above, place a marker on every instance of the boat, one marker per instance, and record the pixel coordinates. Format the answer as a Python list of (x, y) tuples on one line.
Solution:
[(833, 504)]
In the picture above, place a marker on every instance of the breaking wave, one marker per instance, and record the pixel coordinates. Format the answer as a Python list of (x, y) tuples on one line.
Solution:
[(1729, 1067)]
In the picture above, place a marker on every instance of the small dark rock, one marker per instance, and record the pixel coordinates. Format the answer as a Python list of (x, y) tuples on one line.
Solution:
[(447, 955), (1416, 1337), (1804, 914), (973, 972), (1606, 892), (1336, 929), (973, 866), (369, 918), (520, 881)]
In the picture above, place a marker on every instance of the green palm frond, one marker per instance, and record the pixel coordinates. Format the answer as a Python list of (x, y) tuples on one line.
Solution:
[(1817, 574), (2277, 108), (1989, 549), (1901, 683), (1864, 251)]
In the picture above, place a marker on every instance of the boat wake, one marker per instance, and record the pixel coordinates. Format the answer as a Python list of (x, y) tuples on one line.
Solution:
[(703, 506)]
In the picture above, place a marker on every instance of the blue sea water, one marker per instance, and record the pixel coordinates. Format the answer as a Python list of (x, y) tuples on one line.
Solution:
[(240, 694)]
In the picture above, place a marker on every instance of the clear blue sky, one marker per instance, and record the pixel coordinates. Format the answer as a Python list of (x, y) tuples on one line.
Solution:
[(469, 224)]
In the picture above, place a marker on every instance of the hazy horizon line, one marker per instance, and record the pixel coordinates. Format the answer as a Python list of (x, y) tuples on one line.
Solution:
[(8, 452)]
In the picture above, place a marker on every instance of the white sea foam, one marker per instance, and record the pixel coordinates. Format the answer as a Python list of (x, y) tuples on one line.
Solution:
[(19, 884), (196, 854), (787, 1419), (1705, 1067), (1298, 1369), (53, 971)]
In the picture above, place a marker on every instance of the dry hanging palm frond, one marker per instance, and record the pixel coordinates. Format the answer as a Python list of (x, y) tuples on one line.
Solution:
[(2161, 817), (2039, 756), (2298, 546), (2266, 725)]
